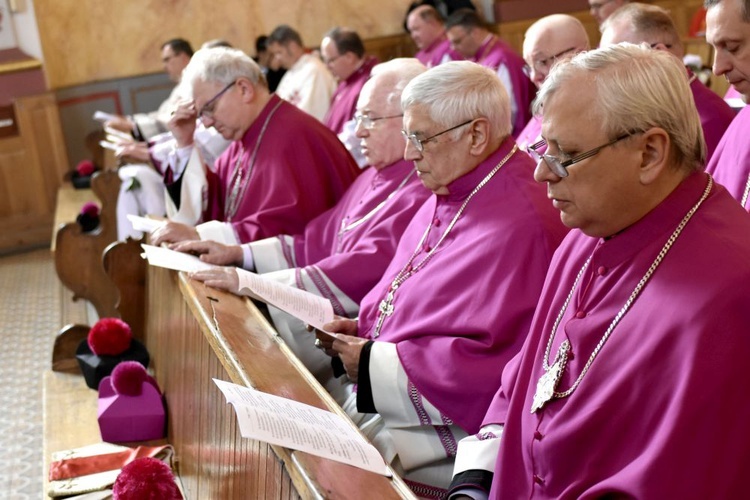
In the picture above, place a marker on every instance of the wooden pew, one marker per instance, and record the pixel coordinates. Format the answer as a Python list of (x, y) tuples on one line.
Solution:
[(78, 255), (194, 334)]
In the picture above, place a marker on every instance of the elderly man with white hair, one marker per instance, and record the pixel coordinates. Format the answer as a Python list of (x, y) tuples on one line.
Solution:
[(343, 252), (630, 375), (454, 304), (259, 188)]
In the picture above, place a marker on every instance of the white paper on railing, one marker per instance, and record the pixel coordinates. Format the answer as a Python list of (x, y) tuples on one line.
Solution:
[(310, 308), (170, 259), (291, 424), (144, 224)]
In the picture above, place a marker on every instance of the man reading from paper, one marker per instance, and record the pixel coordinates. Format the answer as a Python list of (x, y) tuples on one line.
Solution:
[(631, 383), (282, 170), (342, 253), (456, 301)]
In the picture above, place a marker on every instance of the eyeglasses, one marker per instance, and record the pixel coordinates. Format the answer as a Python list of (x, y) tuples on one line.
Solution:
[(368, 122), (560, 168), (207, 111), (419, 143), (542, 64), (598, 5), (331, 60)]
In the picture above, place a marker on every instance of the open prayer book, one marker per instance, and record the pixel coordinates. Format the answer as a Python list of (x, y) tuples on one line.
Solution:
[(310, 308), (291, 424)]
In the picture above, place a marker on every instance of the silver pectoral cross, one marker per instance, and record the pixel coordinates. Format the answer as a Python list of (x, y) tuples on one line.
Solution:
[(385, 309), (548, 382)]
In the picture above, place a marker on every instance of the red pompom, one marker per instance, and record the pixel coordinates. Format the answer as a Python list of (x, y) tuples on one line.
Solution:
[(90, 208), (128, 378), (85, 168), (146, 479), (109, 337)]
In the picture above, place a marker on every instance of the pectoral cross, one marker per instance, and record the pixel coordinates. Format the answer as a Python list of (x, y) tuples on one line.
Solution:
[(385, 308), (545, 388)]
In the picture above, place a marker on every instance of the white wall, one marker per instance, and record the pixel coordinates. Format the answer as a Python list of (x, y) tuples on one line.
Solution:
[(27, 32)]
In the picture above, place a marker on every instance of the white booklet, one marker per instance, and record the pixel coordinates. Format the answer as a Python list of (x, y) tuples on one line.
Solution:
[(313, 309), (291, 424), (144, 224)]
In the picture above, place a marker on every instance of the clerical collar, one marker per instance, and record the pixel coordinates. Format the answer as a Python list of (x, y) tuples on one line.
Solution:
[(655, 225), (461, 187)]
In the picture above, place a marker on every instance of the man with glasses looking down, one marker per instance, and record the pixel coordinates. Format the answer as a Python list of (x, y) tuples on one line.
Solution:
[(728, 31), (455, 302), (635, 367), (283, 168), (342, 253), (550, 38)]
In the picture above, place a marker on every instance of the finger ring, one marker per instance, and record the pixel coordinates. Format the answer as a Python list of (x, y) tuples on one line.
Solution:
[(318, 344)]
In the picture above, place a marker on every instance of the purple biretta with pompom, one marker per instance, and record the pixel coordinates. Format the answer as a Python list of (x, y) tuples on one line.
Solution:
[(130, 405)]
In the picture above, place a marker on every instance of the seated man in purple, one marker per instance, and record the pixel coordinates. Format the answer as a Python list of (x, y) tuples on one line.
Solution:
[(456, 301), (343, 252), (651, 24), (343, 52), (630, 382), (283, 168), (470, 37), (547, 40), (728, 30), (427, 29)]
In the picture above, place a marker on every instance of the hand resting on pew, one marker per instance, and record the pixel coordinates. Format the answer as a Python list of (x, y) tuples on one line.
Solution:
[(212, 252), (173, 232), (223, 278)]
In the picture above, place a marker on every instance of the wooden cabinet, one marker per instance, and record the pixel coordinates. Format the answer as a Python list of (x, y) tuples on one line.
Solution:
[(33, 162)]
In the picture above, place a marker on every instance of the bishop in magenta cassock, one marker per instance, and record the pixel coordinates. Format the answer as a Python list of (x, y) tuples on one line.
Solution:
[(545, 42), (456, 300), (629, 377), (470, 38), (651, 24), (283, 168), (427, 30), (343, 252), (727, 28), (344, 54)]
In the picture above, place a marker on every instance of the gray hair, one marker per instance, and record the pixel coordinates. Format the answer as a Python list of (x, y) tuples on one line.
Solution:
[(745, 7), (647, 21), (637, 89), (458, 91), (398, 73), (223, 65)]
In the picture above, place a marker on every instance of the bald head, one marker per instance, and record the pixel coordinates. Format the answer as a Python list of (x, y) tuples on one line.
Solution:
[(642, 23), (550, 38)]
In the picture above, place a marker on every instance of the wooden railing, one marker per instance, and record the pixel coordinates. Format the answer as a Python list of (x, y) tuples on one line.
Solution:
[(194, 334)]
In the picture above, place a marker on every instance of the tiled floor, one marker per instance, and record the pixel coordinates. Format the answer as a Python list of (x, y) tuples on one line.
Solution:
[(30, 316)]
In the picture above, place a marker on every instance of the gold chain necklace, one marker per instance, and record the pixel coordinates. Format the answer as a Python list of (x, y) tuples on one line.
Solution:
[(386, 308), (239, 182), (548, 382)]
